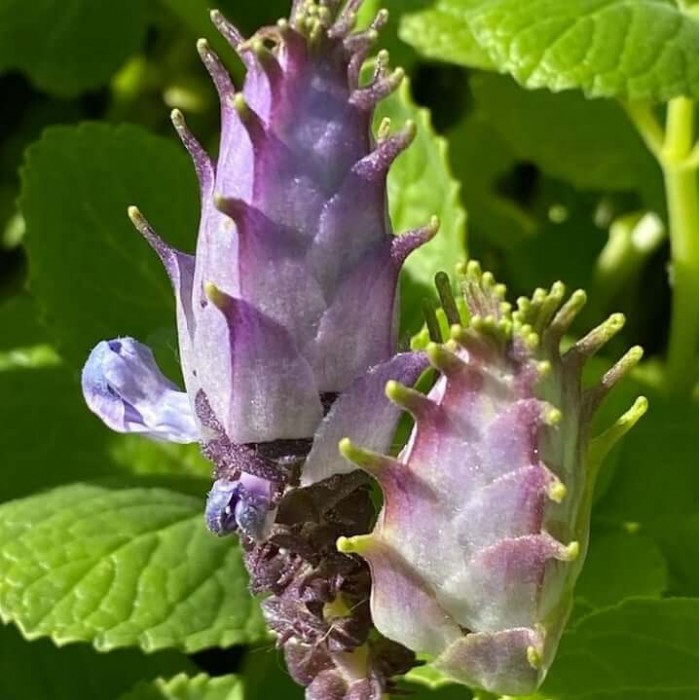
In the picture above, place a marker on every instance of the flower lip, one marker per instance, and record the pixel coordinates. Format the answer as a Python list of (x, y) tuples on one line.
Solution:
[(123, 386)]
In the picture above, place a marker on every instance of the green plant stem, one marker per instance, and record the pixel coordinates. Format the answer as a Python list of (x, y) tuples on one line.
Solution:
[(680, 178), (677, 156)]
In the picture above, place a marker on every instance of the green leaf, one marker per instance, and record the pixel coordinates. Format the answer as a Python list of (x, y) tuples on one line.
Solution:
[(49, 436), (91, 272), (41, 670), (20, 325), (638, 649), (74, 444), (265, 676), (442, 31), (412, 204), (122, 567), (655, 486), (589, 143), (183, 687), (67, 48), (621, 565), (631, 49), (493, 217)]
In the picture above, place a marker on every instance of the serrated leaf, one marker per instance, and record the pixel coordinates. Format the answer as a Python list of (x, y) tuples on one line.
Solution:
[(183, 687), (621, 565), (90, 271), (37, 670), (640, 648), (442, 31), (631, 49), (67, 48), (412, 204), (122, 567)]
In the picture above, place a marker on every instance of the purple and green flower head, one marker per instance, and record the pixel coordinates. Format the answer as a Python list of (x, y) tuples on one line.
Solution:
[(485, 522), (290, 298), (287, 330)]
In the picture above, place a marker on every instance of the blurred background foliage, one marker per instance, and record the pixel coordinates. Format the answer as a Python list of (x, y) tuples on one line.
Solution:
[(542, 185)]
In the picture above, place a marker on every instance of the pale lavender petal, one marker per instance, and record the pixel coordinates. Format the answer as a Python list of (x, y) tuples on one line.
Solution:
[(364, 414), (124, 387), (257, 384), (180, 269), (274, 272), (404, 608), (499, 662), (358, 329)]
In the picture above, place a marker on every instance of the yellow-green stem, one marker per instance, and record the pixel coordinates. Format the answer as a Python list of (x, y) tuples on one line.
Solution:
[(681, 181), (677, 156)]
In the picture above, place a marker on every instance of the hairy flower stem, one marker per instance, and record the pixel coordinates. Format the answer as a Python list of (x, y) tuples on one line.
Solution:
[(678, 159)]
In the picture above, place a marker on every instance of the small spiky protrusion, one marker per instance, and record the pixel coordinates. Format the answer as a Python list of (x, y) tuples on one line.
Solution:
[(495, 452)]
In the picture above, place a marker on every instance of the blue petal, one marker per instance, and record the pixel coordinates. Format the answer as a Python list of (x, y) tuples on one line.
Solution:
[(124, 387), (242, 504)]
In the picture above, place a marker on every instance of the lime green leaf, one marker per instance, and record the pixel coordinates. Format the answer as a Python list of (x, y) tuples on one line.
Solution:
[(428, 676), (41, 670), (621, 565), (638, 649), (412, 203), (91, 272), (589, 143), (442, 31), (183, 687), (122, 567), (67, 48), (635, 50)]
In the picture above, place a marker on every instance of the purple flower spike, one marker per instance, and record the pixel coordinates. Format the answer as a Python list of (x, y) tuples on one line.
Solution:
[(486, 510), (296, 261), (124, 387), (292, 293)]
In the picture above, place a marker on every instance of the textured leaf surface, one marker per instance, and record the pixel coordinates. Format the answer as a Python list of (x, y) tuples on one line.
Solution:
[(183, 687), (68, 47), (124, 567), (89, 269), (441, 31), (633, 49), (38, 670), (412, 204), (638, 649)]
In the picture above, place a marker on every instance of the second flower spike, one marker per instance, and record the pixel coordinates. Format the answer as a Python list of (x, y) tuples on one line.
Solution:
[(486, 510)]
